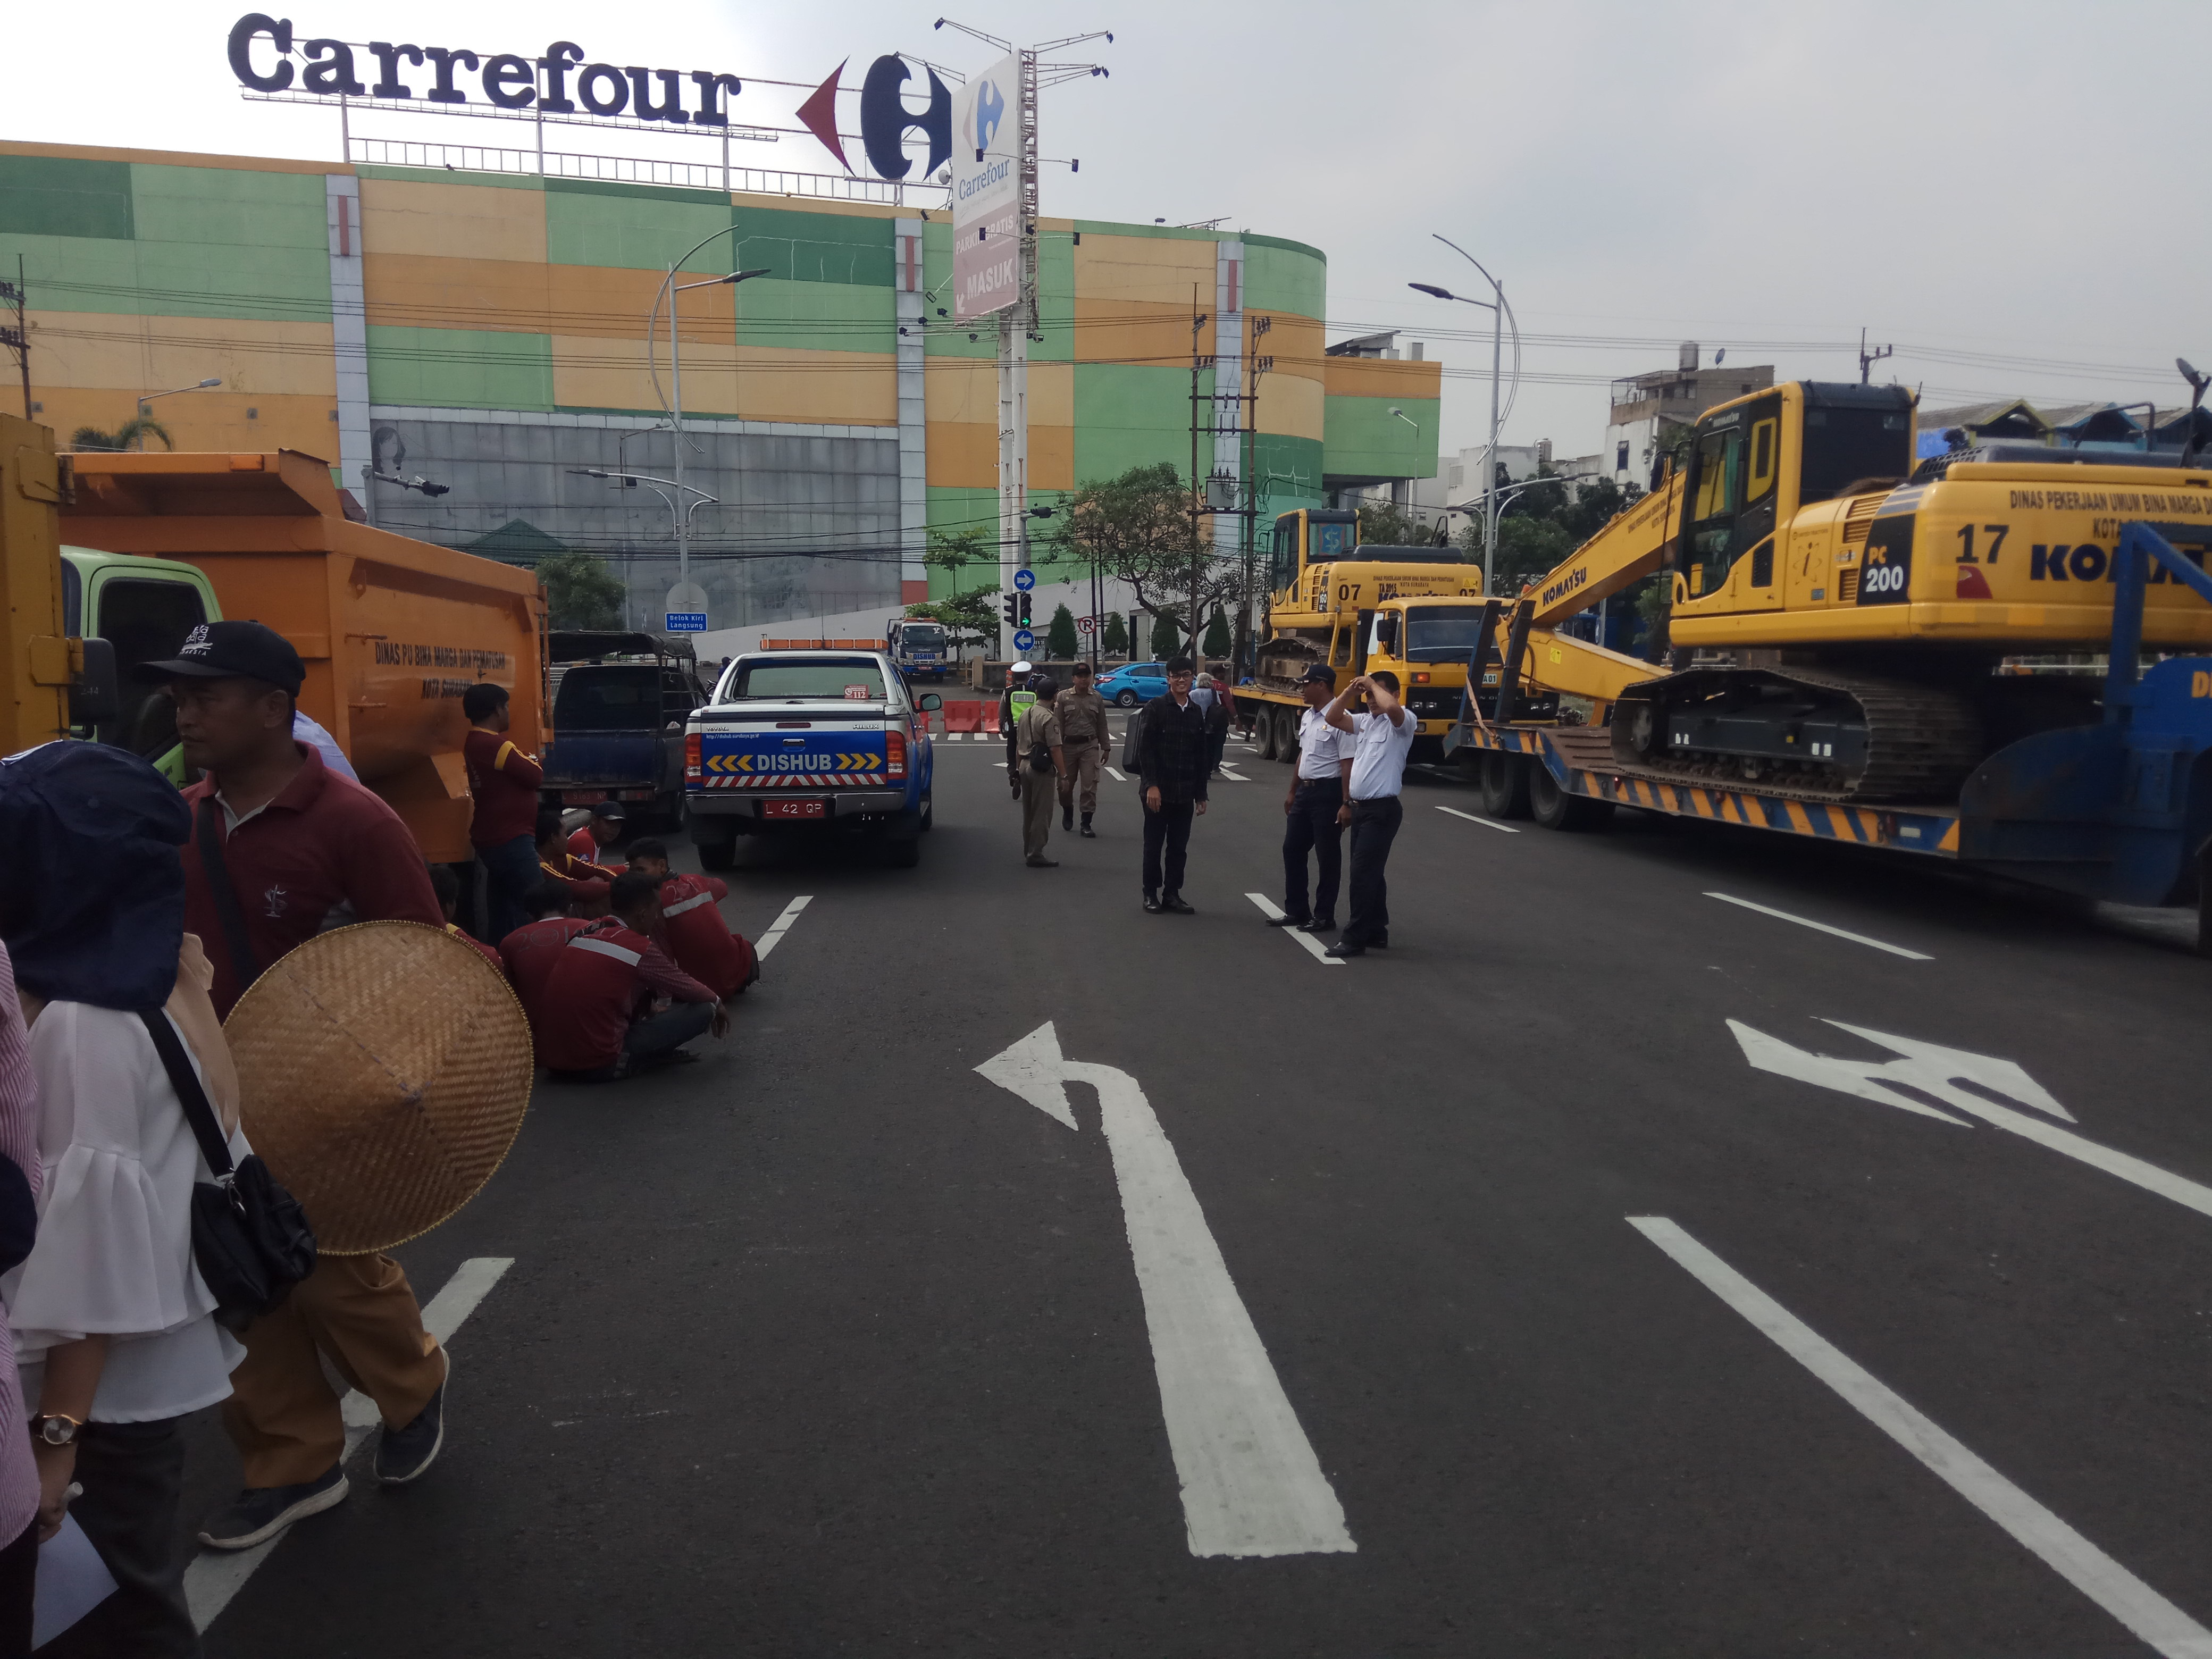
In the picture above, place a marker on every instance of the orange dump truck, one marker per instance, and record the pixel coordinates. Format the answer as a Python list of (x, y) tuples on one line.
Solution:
[(393, 630)]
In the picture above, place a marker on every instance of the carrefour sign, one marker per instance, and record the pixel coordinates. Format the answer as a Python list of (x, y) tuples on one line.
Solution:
[(261, 50)]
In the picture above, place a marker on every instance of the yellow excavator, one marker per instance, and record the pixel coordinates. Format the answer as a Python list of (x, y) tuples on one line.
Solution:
[(1845, 610)]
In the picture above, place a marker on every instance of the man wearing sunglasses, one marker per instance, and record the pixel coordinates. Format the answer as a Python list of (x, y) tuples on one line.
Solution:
[(1175, 755)]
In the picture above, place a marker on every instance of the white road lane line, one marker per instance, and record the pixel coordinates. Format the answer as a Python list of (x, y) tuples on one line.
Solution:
[(2150, 1615), (1820, 926), (767, 942), (215, 1575), (1116, 775), (1234, 777), (1486, 824), (1314, 947)]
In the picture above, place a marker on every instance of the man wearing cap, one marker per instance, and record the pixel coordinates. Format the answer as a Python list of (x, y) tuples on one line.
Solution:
[(1037, 739), (282, 849), (1017, 702), (590, 843), (1315, 810), (505, 783), (1083, 736)]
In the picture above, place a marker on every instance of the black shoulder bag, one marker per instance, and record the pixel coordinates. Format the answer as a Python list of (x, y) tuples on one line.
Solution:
[(249, 1236)]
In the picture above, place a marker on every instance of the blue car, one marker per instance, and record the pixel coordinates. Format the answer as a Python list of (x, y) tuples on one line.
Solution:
[(1134, 683)]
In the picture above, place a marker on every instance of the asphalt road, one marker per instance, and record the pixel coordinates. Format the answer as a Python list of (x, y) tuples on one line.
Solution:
[(828, 1345)]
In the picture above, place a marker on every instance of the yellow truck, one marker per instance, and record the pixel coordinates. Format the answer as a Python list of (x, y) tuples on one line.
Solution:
[(392, 630), (1414, 611)]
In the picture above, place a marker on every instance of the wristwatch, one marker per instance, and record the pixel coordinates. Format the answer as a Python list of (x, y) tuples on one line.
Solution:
[(56, 1430)]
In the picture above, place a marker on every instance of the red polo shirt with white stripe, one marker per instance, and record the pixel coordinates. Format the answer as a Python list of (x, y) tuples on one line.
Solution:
[(598, 982), (529, 953), (698, 938)]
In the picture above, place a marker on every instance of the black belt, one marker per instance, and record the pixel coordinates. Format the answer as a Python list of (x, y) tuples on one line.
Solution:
[(1370, 800)]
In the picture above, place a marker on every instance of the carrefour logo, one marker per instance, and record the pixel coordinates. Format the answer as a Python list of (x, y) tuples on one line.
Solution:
[(990, 108)]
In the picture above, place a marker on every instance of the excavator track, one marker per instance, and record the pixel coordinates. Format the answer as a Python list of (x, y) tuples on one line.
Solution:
[(1892, 739)]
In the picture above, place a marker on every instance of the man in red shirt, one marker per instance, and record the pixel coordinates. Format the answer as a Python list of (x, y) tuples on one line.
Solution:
[(504, 782), (587, 884), (600, 1000), (531, 950), (283, 849), (591, 842), (691, 925)]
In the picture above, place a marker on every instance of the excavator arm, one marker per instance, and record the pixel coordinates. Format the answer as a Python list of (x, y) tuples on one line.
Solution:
[(1624, 553)]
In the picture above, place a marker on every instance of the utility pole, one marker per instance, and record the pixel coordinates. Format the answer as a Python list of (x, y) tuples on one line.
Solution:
[(1255, 366), (1200, 495), (19, 335), (1869, 359)]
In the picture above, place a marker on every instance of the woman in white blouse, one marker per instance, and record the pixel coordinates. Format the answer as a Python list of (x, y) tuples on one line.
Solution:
[(115, 1332)]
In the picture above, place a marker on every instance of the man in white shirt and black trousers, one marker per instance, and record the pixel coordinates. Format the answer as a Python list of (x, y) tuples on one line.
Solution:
[(1315, 810), (1382, 739)]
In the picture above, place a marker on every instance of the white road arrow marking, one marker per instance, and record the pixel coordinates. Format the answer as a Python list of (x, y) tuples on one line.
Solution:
[(1932, 1069), (1251, 1484)]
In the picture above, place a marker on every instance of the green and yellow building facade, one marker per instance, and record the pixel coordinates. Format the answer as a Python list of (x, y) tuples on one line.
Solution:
[(488, 331)]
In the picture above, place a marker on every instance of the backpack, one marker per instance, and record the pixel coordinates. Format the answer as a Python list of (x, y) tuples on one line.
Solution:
[(1132, 740)]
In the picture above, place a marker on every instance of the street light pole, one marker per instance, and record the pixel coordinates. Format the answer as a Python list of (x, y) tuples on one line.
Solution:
[(1497, 356), (671, 288), (202, 385)]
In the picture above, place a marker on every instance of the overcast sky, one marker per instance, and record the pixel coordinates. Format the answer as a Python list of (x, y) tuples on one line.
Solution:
[(2012, 194)]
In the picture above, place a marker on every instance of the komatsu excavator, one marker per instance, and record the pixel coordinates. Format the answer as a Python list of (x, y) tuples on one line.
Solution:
[(1850, 610)]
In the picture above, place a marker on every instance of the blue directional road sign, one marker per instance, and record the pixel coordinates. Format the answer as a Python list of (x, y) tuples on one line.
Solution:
[(686, 622), (1023, 640), (1025, 580)]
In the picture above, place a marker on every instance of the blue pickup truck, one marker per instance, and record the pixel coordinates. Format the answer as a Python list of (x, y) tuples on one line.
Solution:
[(619, 703), (811, 742)]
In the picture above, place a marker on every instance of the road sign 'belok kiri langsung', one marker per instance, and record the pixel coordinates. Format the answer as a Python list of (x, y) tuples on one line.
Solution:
[(988, 146)]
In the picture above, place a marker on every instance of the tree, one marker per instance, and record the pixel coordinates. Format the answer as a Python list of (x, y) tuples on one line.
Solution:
[(1167, 634), (580, 592), (1059, 637), (1138, 527), (1116, 642), (134, 431), (971, 613), (1216, 635), (1390, 524)]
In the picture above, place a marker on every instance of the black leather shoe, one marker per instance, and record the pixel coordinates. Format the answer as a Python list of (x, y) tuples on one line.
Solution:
[(1174, 902), (1151, 905), (1088, 833), (1318, 925), (1304, 924), (1041, 862), (1066, 821), (1380, 942), (1341, 950)]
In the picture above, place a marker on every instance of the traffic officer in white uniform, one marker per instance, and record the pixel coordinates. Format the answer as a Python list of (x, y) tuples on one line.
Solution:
[(1382, 739), (1315, 810), (1015, 703)]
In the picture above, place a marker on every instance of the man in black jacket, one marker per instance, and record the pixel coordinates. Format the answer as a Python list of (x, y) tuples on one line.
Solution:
[(1174, 756)]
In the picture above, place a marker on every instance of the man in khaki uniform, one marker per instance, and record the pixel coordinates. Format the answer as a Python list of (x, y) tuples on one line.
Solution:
[(1037, 733), (1083, 732)]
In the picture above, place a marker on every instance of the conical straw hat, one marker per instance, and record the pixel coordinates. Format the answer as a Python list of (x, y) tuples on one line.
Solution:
[(383, 1072)]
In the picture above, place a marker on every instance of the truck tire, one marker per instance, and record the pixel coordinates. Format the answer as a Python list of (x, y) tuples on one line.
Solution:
[(1286, 723), (928, 815), (1557, 809), (902, 847), (1504, 785), (1263, 732)]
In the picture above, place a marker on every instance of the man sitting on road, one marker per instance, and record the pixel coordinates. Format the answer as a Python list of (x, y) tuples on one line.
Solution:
[(691, 925), (592, 842), (587, 883), (604, 1016), (530, 952)]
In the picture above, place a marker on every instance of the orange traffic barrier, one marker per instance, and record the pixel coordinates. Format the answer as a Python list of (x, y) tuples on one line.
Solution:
[(964, 716), (990, 717)]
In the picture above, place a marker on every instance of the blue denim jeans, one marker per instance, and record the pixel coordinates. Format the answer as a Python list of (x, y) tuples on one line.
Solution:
[(511, 869)]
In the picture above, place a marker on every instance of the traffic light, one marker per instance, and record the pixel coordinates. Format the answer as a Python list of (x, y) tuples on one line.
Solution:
[(1009, 606), (1024, 601)]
